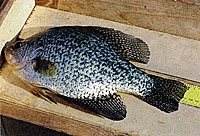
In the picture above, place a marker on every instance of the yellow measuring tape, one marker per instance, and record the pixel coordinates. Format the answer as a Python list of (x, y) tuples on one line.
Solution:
[(192, 96)]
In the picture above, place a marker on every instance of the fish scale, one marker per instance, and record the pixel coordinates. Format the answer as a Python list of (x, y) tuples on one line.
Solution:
[(89, 65)]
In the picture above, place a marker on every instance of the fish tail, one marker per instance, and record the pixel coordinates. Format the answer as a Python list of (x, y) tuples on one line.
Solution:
[(165, 94)]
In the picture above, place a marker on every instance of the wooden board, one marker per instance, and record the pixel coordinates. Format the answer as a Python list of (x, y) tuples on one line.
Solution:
[(4, 8), (194, 2), (49, 120), (13, 17), (178, 17), (17, 102), (142, 119), (169, 54), (14, 127), (48, 3)]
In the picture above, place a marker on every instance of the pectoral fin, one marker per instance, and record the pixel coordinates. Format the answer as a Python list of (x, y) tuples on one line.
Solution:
[(44, 94)]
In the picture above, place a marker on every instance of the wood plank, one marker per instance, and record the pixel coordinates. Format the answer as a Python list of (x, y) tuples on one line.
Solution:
[(52, 121), (142, 119), (17, 102), (13, 127), (178, 17), (191, 82), (4, 9), (48, 3), (14, 19), (194, 2), (169, 54)]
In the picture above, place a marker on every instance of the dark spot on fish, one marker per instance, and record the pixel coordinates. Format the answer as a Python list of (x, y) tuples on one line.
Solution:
[(45, 68)]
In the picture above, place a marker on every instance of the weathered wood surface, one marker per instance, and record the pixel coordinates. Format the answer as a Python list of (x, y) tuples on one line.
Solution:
[(142, 119), (48, 3), (13, 17), (194, 2), (4, 8), (54, 3), (14, 127), (17, 102), (170, 54), (53, 121), (178, 17)]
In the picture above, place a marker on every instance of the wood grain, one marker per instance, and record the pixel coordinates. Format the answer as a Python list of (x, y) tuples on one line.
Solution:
[(171, 77), (17, 102), (178, 17), (13, 18), (4, 9), (193, 2), (169, 54), (48, 3), (52, 121)]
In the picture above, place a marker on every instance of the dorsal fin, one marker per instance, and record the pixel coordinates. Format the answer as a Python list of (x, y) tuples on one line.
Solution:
[(131, 48)]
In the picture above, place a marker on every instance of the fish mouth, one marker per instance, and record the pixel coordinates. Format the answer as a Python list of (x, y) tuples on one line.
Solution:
[(12, 60), (9, 54)]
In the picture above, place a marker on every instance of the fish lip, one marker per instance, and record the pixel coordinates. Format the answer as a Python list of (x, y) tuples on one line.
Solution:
[(17, 64), (10, 57)]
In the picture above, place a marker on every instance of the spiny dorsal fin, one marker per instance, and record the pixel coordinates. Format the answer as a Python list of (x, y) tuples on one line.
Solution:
[(111, 107), (131, 48)]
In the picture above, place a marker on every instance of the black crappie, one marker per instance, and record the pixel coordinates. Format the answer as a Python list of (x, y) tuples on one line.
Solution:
[(90, 65)]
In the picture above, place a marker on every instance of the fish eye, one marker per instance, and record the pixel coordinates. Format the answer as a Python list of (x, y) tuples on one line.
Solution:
[(17, 45)]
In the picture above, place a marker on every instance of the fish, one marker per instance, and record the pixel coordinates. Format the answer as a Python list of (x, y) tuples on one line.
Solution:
[(91, 65)]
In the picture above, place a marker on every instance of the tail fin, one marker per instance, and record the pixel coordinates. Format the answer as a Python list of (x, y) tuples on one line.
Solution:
[(166, 94)]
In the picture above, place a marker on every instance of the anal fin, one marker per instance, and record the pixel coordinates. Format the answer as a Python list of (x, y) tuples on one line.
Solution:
[(111, 107)]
